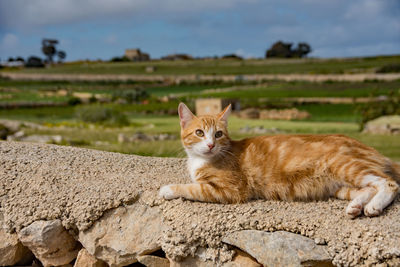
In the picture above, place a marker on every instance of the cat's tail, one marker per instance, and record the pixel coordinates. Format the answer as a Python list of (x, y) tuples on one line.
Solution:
[(393, 170)]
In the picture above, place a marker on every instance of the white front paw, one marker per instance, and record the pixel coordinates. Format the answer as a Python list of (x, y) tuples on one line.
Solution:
[(166, 192)]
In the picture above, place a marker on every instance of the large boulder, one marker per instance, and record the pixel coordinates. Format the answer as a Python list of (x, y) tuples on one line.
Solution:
[(50, 242), (123, 234), (383, 125), (279, 248)]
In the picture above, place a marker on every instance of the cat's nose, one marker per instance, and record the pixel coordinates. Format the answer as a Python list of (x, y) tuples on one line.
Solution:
[(210, 146)]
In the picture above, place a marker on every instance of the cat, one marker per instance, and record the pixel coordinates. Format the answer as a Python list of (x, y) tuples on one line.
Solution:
[(281, 167)]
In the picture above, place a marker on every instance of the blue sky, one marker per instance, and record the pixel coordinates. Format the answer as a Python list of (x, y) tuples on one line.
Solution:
[(92, 29)]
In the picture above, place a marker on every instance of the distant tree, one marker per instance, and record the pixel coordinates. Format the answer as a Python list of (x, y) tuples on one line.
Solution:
[(11, 59), (49, 49), (284, 50), (34, 62), (280, 49), (120, 59), (21, 59), (302, 49), (61, 55), (231, 56)]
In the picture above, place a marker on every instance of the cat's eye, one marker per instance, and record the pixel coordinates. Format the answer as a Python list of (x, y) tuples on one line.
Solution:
[(218, 134), (199, 133)]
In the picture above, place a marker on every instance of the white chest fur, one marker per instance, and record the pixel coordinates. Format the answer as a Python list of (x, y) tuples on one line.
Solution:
[(194, 163)]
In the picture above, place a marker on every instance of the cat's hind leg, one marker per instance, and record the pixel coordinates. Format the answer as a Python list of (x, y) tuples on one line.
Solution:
[(359, 198), (387, 190)]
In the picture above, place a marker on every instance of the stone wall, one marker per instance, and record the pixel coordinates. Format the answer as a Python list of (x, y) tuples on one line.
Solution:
[(63, 205)]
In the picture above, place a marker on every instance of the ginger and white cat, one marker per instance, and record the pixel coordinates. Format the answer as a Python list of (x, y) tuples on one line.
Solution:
[(282, 167)]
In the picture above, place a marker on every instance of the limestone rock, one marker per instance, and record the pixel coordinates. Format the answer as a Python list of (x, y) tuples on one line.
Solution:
[(35, 138), (242, 259), (153, 261), (250, 113), (123, 234), (279, 248), (383, 125), (50, 242), (84, 259), (284, 114), (12, 252)]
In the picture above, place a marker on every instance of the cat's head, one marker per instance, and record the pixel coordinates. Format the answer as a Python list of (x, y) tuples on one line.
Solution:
[(204, 136)]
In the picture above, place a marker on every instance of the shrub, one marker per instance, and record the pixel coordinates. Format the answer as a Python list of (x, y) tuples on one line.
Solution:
[(73, 101), (131, 96), (120, 59), (34, 62), (395, 67), (101, 115), (92, 99), (4, 131)]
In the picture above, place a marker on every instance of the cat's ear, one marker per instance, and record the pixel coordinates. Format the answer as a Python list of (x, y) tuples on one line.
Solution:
[(185, 115), (223, 115)]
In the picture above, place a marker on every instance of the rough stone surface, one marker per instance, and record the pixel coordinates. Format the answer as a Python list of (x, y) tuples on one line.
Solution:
[(12, 252), (279, 248), (45, 182), (85, 259), (123, 234), (40, 181), (50, 242), (242, 259), (153, 261)]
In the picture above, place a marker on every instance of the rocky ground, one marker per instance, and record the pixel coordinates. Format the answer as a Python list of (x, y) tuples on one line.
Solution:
[(93, 208)]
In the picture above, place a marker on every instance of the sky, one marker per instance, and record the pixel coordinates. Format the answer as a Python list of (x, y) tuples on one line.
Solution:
[(102, 29)]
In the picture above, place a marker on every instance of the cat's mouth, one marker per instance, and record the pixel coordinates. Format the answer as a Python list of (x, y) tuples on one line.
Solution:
[(210, 152)]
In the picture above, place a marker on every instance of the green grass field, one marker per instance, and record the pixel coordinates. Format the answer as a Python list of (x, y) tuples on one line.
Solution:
[(145, 117), (267, 95), (103, 138), (224, 66)]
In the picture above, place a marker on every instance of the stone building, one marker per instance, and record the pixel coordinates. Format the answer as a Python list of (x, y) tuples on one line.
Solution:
[(210, 106), (136, 55)]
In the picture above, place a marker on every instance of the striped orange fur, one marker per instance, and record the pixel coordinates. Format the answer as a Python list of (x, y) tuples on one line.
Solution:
[(282, 167)]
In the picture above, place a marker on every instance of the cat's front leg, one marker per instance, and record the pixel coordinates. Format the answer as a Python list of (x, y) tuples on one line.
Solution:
[(197, 192), (168, 192), (187, 191)]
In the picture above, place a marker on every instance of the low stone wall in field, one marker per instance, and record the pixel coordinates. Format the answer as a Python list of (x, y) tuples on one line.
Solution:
[(359, 77), (64, 205)]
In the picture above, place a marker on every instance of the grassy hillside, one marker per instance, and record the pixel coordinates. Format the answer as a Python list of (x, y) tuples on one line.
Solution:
[(155, 112), (225, 66)]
